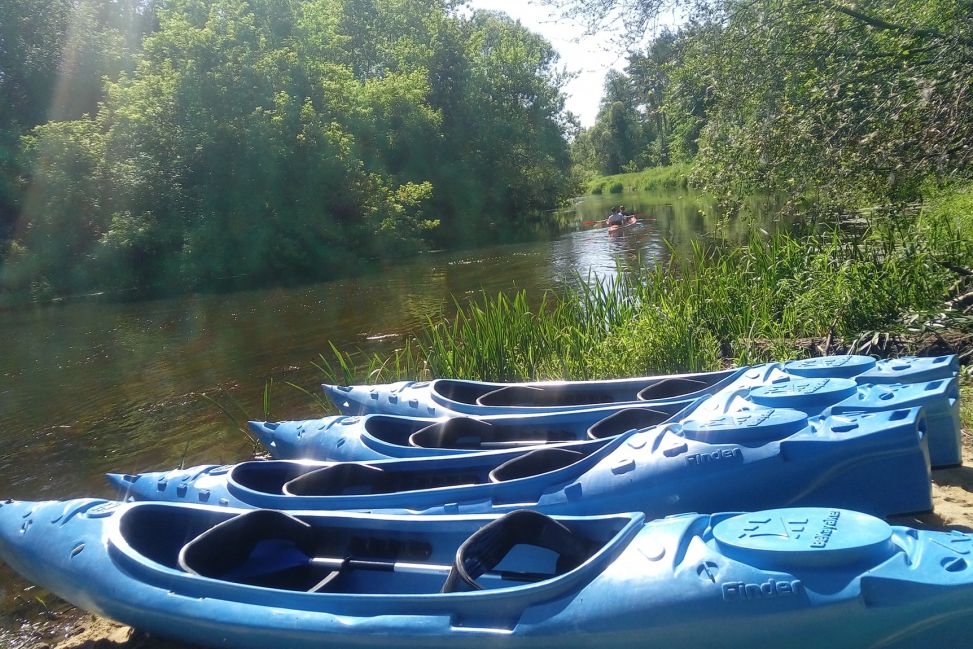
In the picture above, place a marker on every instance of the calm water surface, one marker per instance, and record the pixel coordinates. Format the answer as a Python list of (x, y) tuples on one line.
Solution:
[(90, 387)]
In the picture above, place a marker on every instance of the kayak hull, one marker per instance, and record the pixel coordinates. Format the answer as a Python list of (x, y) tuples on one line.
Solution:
[(379, 437), (834, 578), (873, 462), (451, 397), (372, 437)]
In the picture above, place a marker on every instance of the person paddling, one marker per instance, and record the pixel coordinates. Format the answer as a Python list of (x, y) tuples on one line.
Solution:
[(616, 217)]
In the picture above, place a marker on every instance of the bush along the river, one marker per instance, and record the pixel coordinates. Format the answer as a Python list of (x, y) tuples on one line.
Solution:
[(243, 143)]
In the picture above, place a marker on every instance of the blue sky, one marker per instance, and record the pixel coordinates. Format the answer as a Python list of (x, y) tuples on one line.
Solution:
[(588, 56)]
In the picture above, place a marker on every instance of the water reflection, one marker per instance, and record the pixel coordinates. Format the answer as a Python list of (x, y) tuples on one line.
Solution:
[(90, 387)]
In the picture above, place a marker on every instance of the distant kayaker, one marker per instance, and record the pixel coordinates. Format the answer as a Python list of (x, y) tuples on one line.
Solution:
[(616, 217)]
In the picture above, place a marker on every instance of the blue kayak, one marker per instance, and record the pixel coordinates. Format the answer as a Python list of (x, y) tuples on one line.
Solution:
[(873, 462), (375, 437), (381, 437), (264, 579), (451, 397)]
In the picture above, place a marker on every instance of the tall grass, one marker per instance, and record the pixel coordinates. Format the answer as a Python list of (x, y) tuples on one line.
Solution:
[(952, 204), (720, 305), (652, 179)]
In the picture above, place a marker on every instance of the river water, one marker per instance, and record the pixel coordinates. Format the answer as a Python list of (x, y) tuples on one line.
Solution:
[(95, 386)]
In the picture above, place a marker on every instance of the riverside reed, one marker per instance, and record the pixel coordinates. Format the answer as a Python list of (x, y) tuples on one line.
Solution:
[(721, 305)]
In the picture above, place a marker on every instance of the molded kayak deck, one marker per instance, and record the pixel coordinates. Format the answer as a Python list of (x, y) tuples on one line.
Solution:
[(263, 579), (874, 462), (374, 437), (449, 397)]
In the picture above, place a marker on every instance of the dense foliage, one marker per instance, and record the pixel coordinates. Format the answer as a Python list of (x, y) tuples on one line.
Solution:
[(256, 141), (863, 99), (53, 55)]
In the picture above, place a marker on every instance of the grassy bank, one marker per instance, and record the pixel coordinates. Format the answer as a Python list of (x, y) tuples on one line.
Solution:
[(655, 178), (720, 305), (953, 204), (966, 407)]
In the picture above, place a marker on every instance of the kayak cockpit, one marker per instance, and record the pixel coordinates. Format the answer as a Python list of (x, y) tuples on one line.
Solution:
[(467, 433), (284, 478), (357, 479), (392, 429), (630, 419), (576, 393), (309, 553)]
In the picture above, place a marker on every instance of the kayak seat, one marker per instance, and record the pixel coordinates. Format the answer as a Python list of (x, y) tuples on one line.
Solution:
[(626, 420), (342, 479), (265, 548), (461, 391), (668, 388), (487, 548), (392, 429), (266, 477), (458, 432), (355, 479), (535, 462), (536, 396)]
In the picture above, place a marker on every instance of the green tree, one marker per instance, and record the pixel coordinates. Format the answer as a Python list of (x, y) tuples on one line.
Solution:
[(286, 140), (53, 57), (649, 71), (817, 97), (858, 100), (618, 139)]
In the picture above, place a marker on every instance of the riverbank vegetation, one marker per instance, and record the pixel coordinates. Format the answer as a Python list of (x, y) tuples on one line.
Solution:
[(827, 290), (167, 145), (855, 114), (648, 180)]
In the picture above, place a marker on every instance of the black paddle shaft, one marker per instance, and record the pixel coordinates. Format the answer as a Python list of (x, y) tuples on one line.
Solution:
[(350, 563)]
